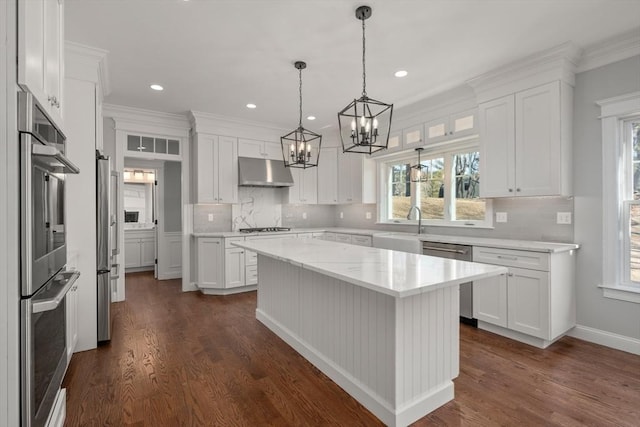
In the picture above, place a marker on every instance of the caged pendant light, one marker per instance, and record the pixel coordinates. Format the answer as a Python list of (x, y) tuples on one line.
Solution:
[(365, 123), (301, 147), (419, 172)]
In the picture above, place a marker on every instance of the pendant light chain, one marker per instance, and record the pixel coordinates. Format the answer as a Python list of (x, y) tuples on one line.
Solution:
[(300, 92), (364, 72)]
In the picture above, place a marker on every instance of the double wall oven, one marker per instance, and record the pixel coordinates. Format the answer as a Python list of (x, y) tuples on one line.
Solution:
[(44, 279)]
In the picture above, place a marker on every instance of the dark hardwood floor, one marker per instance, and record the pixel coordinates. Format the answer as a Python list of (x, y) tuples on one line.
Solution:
[(185, 359)]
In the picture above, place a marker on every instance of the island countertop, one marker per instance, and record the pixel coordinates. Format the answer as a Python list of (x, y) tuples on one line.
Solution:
[(398, 274)]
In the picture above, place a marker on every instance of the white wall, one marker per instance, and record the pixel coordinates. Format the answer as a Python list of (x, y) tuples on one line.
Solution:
[(593, 310), (9, 225)]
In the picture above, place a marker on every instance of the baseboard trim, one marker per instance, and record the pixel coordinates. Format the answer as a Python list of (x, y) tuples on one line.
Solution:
[(607, 339), (170, 275), (230, 291)]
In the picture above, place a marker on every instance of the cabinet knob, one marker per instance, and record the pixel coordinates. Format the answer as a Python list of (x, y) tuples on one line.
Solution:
[(517, 189), (511, 190), (510, 274)]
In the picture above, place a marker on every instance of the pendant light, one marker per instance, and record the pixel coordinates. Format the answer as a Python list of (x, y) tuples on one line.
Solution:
[(365, 123), (419, 172), (300, 147)]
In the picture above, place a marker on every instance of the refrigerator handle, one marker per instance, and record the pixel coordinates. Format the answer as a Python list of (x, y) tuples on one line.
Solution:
[(117, 275)]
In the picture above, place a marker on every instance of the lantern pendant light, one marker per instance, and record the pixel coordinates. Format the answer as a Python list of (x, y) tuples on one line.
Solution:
[(419, 172), (365, 123), (301, 147)]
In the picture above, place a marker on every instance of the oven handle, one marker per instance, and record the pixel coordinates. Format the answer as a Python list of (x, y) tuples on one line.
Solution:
[(52, 159), (67, 280)]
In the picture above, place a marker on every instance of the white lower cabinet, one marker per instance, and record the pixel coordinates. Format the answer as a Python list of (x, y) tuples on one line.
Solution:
[(209, 263), (139, 249), (234, 264), (534, 302), (71, 301)]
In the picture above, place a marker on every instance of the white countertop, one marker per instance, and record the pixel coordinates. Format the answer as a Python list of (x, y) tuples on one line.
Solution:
[(549, 247), (394, 273)]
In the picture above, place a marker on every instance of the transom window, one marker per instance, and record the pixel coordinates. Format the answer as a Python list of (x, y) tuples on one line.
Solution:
[(448, 193)]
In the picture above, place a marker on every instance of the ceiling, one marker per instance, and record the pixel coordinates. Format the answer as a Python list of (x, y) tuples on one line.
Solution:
[(215, 56)]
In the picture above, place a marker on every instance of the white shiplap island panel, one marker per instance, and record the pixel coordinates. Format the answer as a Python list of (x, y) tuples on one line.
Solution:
[(382, 324)]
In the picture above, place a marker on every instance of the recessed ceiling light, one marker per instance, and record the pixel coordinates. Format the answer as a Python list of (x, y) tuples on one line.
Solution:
[(311, 117), (156, 87), (401, 73), (252, 106)]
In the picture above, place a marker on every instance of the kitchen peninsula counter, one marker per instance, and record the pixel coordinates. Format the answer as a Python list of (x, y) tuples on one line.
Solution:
[(382, 324)]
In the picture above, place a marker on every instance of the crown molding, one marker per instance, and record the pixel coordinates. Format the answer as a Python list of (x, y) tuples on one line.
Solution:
[(87, 63), (556, 63), (224, 125), (132, 118), (614, 49)]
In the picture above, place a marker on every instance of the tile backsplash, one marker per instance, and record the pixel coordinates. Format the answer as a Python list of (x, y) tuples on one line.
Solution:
[(258, 207)]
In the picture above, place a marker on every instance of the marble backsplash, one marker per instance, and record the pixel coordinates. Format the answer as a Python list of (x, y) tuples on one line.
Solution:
[(258, 207)]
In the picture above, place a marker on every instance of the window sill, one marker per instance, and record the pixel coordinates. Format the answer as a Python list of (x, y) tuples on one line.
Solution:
[(428, 225), (622, 293)]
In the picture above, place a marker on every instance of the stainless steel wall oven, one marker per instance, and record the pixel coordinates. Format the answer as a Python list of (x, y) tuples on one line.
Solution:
[(44, 281)]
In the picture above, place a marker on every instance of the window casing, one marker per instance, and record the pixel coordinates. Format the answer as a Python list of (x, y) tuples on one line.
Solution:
[(620, 197), (448, 196)]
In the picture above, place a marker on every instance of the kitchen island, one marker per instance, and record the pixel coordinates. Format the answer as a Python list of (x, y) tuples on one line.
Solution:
[(382, 324)]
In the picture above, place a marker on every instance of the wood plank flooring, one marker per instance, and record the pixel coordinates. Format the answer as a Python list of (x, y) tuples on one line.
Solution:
[(186, 359)]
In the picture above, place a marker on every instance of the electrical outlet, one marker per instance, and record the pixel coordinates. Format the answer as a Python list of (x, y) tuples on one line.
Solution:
[(304, 215), (210, 217), (501, 217), (367, 215), (341, 215), (564, 218)]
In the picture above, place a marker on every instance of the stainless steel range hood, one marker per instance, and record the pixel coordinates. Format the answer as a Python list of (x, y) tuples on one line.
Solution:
[(263, 173)]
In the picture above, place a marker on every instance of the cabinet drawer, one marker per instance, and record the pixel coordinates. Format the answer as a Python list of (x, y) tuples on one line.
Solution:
[(344, 238), (229, 240), (512, 258), (251, 274), (250, 258), (361, 240)]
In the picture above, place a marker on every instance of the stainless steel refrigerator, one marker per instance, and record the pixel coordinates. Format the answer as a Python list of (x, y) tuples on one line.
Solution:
[(104, 253)]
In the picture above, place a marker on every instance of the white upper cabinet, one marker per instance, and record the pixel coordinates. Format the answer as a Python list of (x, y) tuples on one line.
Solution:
[(454, 126), (328, 176), (413, 136), (526, 143), (41, 53), (305, 188), (356, 179), (259, 149), (216, 169)]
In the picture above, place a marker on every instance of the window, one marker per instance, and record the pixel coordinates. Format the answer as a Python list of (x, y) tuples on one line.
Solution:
[(448, 194), (631, 200), (621, 197)]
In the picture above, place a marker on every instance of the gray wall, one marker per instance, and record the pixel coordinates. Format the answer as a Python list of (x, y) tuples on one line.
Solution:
[(172, 196), (593, 310)]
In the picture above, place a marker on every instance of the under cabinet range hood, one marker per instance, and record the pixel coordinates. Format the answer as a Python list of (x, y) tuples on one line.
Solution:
[(263, 173)]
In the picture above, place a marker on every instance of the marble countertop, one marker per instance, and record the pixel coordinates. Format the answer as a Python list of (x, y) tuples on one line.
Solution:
[(394, 273), (549, 247)]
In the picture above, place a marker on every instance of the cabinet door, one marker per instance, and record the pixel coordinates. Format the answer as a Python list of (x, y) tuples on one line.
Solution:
[(345, 177), (234, 268), (528, 302), (309, 193), (272, 151), (343, 238), (538, 154), (328, 176), (463, 124), (31, 34), (226, 163), (204, 146), (53, 56), (132, 255), (210, 263), (295, 192), (147, 252), (413, 136), (250, 148), (490, 300), (497, 145)]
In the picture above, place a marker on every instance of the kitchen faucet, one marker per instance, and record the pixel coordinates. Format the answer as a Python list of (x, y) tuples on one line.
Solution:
[(419, 216)]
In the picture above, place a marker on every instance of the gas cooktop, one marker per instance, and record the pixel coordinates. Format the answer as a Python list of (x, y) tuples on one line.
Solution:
[(263, 229)]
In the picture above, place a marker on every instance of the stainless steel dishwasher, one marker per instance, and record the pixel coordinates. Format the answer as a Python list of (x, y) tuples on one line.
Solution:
[(462, 253)]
